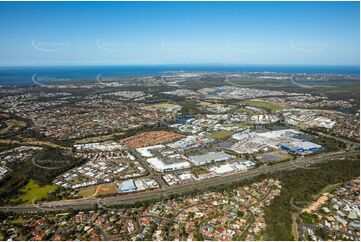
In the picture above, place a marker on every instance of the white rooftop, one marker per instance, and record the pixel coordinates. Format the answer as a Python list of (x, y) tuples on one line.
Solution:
[(158, 164)]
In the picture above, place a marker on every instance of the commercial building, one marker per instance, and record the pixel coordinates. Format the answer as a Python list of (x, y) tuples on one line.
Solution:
[(104, 146), (3, 171), (137, 185), (208, 158), (301, 147), (147, 151), (232, 167), (287, 139), (127, 186), (168, 164)]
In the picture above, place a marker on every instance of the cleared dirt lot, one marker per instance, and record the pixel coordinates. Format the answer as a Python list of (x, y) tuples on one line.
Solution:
[(99, 190), (150, 138)]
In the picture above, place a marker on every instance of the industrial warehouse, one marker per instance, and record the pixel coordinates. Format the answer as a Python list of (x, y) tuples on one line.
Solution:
[(287, 139), (208, 158), (172, 121), (133, 185)]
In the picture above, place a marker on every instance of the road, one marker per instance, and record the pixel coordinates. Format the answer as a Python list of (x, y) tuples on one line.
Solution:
[(101, 231), (167, 191), (349, 143), (152, 173)]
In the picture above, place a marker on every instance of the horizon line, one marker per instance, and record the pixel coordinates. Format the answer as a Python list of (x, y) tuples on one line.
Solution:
[(177, 64)]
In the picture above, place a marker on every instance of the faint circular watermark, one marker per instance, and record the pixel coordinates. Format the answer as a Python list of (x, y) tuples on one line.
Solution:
[(292, 79), (174, 77), (307, 46), (114, 46), (100, 80), (51, 164), (43, 81), (104, 206), (45, 208), (108, 81), (296, 164), (230, 78), (49, 46), (243, 46), (298, 205)]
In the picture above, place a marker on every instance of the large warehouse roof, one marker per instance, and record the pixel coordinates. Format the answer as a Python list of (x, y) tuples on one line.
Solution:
[(159, 165), (210, 157)]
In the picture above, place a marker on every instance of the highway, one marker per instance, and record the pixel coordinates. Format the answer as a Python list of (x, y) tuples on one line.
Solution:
[(171, 190)]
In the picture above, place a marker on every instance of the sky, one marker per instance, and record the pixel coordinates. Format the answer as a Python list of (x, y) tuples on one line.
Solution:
[(151, 33)]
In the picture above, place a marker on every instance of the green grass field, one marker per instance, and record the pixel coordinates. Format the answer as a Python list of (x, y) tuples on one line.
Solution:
[(244, 125), (164, 105), (33, 191), (19, 221), (220, 135), (199, 171), (328, 188), (265, 105)]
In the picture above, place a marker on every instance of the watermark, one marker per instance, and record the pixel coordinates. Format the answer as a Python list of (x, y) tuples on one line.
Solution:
[(114, 46), (307, 46), (174, 77), (51, 164), (179, 46), (299, 84), (228, 79), (42, 207), (49, 46), (298, 165), (43, 81), (243, 46), (99, 80), (292, 79), (104, 206), (232, 77), (298, 205), (108, 81)]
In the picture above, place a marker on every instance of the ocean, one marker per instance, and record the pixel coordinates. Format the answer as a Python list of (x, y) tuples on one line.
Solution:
[(15, 76)]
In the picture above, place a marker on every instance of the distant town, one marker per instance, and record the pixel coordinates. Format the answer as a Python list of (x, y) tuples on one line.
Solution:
[(141, 158)]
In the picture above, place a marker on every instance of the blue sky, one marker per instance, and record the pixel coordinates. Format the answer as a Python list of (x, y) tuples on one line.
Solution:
[(75, 33)]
